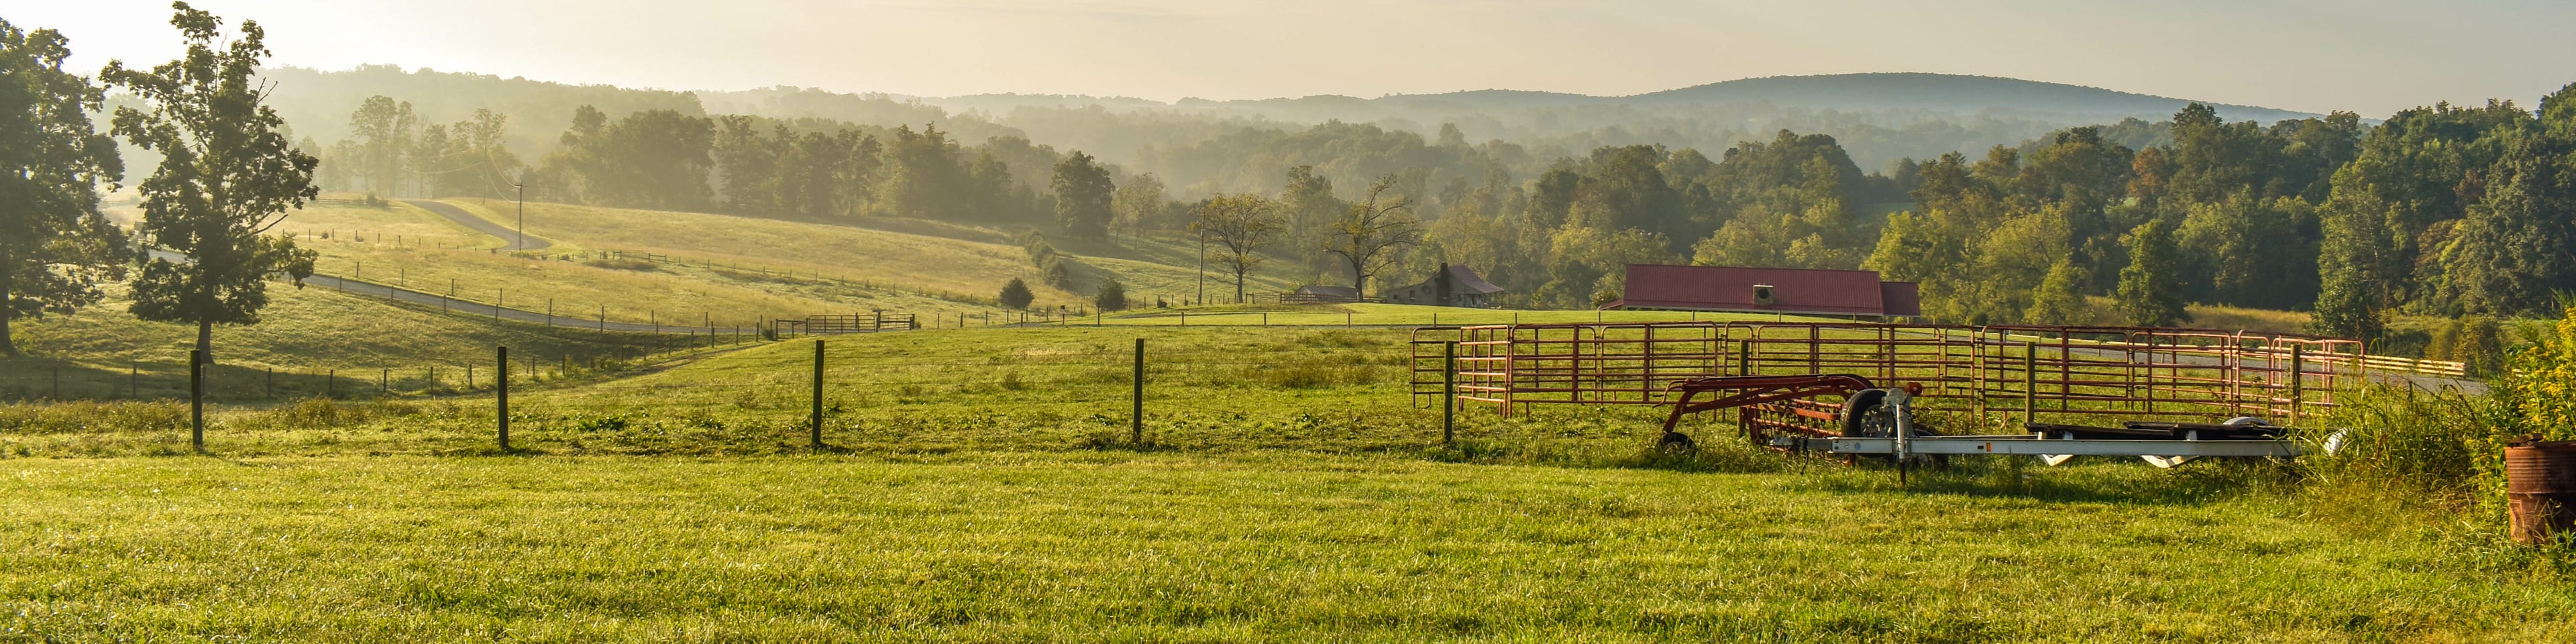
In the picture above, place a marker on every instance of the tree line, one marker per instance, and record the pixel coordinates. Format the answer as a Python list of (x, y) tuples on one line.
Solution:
[(2441, 211), (2355, 221)]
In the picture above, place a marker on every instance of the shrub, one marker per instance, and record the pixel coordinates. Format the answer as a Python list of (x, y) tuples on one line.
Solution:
[(1016, 294), (2480, 344), (2535, 385), (1057, 275), (1041, 253), (1112, 296)]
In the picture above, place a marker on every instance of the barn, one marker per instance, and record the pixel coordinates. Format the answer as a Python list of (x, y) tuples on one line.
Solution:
[(1804, 291), (1450, 286)]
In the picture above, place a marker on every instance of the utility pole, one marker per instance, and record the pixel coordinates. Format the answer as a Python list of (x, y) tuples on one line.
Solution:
[(1202, 267), (523, 215)]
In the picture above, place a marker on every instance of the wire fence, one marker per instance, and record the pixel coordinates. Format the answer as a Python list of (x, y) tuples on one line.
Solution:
[(860, 392), (265, 382), (1097, 387)]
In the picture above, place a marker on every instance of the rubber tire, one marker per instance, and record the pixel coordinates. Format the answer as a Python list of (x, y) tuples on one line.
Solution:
[(1861, 403), (1856, 405), (1676, 443)]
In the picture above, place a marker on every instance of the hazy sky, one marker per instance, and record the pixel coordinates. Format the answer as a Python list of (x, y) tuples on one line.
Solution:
[(2373, 56)]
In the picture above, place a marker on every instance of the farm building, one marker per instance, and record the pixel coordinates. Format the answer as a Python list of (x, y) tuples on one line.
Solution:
[(1806, 291), (1451, 286)]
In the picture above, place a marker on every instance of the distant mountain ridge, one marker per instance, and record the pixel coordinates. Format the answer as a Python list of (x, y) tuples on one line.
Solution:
[(1860, 92), (1877, 91), (1949, 93)]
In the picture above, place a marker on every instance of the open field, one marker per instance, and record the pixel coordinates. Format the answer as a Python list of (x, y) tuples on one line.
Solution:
[(955, 260), (305, 334), (1117, 546), (640, 292)]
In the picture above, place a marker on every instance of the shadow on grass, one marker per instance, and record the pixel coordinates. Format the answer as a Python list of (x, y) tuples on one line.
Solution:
[(1720, 458), (2100, 481), (1112, 442)]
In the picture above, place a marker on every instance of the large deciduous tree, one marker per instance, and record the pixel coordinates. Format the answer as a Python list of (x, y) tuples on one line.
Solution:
[(382, 128), (1083, 194), (1241, 225), (1140, 205), (1373, 231), (2359, 265), (650, 159), (54, 246), (226, 177), (1307, 209), (2513, 252), (2150, 292)]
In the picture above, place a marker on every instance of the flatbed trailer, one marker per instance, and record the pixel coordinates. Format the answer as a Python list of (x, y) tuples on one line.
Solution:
[(1880, 423)]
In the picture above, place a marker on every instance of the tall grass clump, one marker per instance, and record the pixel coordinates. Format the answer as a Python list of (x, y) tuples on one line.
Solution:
[(92, 417), (2439, 455), (2402, 449)]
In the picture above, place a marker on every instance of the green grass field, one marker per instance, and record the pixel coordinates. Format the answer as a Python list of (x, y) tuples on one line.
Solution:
[(1120, 546), (981, 487)]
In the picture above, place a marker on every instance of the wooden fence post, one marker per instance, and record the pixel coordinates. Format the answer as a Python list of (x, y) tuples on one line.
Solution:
[(197, 400), (817, 419), (1136, 415), (501, 387)]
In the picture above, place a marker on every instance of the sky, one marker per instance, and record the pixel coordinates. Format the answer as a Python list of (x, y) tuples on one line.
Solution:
[(2369, 56)]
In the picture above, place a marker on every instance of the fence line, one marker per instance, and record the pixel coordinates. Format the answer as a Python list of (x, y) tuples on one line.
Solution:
[(2024, 369)]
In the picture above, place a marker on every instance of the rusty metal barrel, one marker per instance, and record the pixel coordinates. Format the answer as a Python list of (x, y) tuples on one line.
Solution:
[(2540, 484)]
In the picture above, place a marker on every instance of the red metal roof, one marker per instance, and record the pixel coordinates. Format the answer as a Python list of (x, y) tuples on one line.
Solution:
[(1793, 290), (1900, 298)]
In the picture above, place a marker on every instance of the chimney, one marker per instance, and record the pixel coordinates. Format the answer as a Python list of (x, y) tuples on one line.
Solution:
[(1440, 285)]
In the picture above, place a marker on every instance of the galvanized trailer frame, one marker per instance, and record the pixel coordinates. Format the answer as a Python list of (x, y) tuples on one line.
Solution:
[(2160, 444), (1906, 445)]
